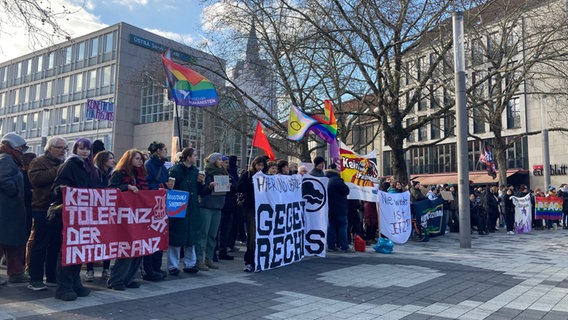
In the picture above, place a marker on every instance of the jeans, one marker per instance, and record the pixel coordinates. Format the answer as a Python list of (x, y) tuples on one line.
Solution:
[(337, 233), (45, 248), (189, 258), (207, 241), (226, 230)]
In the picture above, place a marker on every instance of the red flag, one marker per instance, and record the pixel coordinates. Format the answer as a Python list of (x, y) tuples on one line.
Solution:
[(260, 141)]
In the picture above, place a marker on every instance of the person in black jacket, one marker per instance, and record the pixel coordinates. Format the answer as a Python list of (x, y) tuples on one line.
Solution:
[(491, 206), (246, 187), (77, 171), (227, 231), (338, 211)]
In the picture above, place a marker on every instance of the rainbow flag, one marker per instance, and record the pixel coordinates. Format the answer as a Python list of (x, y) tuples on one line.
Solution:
[(187, 87), (327, 124)]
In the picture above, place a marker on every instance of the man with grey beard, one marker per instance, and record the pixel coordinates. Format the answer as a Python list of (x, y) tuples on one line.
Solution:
[(46, 243)]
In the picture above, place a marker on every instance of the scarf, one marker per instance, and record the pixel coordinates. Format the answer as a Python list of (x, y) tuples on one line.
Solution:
[(138, 179)]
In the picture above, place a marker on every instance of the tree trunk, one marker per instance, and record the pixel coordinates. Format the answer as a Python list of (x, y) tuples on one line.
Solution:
[(501, 162), (398, 163)]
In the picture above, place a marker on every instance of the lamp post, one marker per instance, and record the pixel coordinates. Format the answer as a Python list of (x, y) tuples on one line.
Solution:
[(462, 130)]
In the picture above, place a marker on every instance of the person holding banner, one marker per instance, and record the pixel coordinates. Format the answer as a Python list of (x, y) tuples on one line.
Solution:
[(246, 187), (183, 231), (157, 179), (77, 171), (210, 205), (129, 175), (104, 162)]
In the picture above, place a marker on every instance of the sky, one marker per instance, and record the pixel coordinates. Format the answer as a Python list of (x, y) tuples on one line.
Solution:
[(178, 20)]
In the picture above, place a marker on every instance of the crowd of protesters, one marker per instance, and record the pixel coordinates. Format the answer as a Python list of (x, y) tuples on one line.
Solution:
[(31, 222)]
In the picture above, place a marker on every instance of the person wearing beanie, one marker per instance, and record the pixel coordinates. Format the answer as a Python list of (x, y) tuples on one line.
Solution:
[(319, 165), (12, 212), (98, 146), (210, 205)]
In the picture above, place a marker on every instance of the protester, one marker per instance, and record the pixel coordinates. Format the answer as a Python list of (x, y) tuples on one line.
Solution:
[(302, 170), (129, 175), (210, 205), (77, 171), (563, 193), (183, 231), (12, 211), (26, 159), (416, 192), (283, 167), (227, 231), (47, 242), (245, 187), (157, 178), (395, 187), (104, 162), (491, 206), (293, 168), (271, 167), (319, 166), (338, 210), (371, 221)]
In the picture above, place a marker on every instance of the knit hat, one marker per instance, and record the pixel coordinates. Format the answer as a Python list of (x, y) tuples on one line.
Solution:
[(225, 158), (14, 140), (214, 157), (318, 160)]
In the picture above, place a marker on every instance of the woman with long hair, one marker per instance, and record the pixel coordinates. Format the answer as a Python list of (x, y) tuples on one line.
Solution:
[(246, 187), (77, 171), (104, 162), (128, 175), (157, 177)]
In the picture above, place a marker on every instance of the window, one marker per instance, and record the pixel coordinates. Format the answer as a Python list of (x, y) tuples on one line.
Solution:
[(92, 78), (65, 85), (36, 92), (154, 105), (419, 68), (81, 51), (2, 97), (68, 54), (50, 60), (435, 128), (78, 82), (39, 64), (476, 52), (422, 130), (62, 116), (26, 94), (449, 126), (514, 113), (24, 122), (411, 134), (4, 74), (478, 120), (107, 73), (28, 64), (48, 90), (76, 113), (18, 70), (94, 47), (16, 94), (493, 45), (108, 42)]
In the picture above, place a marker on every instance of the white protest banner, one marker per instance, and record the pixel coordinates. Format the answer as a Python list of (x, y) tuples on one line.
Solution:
[(279, 213), (396, 220), (523, 209), (359, 173), (314, 191)]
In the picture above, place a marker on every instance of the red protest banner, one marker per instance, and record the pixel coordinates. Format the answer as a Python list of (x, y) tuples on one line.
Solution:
[(102, 224)]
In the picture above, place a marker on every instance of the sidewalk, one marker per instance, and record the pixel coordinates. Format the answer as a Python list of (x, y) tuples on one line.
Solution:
[(501, 277)]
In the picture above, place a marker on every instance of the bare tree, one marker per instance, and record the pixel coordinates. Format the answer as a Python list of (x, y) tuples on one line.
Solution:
[(516, 48)]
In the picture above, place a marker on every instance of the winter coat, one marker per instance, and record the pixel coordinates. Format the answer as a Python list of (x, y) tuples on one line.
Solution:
[(337, 192), (73, 173), (207, 198), (12, 210), (246, 187), (186, 180), (42, 172), (157, 173)]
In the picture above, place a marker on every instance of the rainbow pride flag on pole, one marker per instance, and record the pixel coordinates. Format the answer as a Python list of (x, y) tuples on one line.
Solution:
[(186, 87)]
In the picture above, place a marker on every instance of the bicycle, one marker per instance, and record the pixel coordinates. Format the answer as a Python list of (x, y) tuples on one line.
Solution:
[(418, 232)]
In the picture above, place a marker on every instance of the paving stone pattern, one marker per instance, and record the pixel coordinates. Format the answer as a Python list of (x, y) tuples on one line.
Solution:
[(500, 277)]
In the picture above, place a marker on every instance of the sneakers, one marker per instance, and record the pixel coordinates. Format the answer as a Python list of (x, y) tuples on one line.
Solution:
[(173, 272), (153, 277), (211, 264), (19, 278), (90, 276), (3, 281), (83, 292), (248, 268), (106, 274), (37, 286), (118, 287), (201, 266), (192, 269), (510, 232)]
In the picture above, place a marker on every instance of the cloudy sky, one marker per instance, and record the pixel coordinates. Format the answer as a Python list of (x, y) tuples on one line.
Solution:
[(179, 20)]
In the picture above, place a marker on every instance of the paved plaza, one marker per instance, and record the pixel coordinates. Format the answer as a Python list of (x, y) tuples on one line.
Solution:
[(501, 277)]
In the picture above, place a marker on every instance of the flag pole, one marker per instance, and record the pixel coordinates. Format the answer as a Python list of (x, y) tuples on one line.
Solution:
[(250, 153), (176, 117)]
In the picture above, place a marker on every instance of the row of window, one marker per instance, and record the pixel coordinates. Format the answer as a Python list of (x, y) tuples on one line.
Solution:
[(68, 55), (67, 119), (65, 88)]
